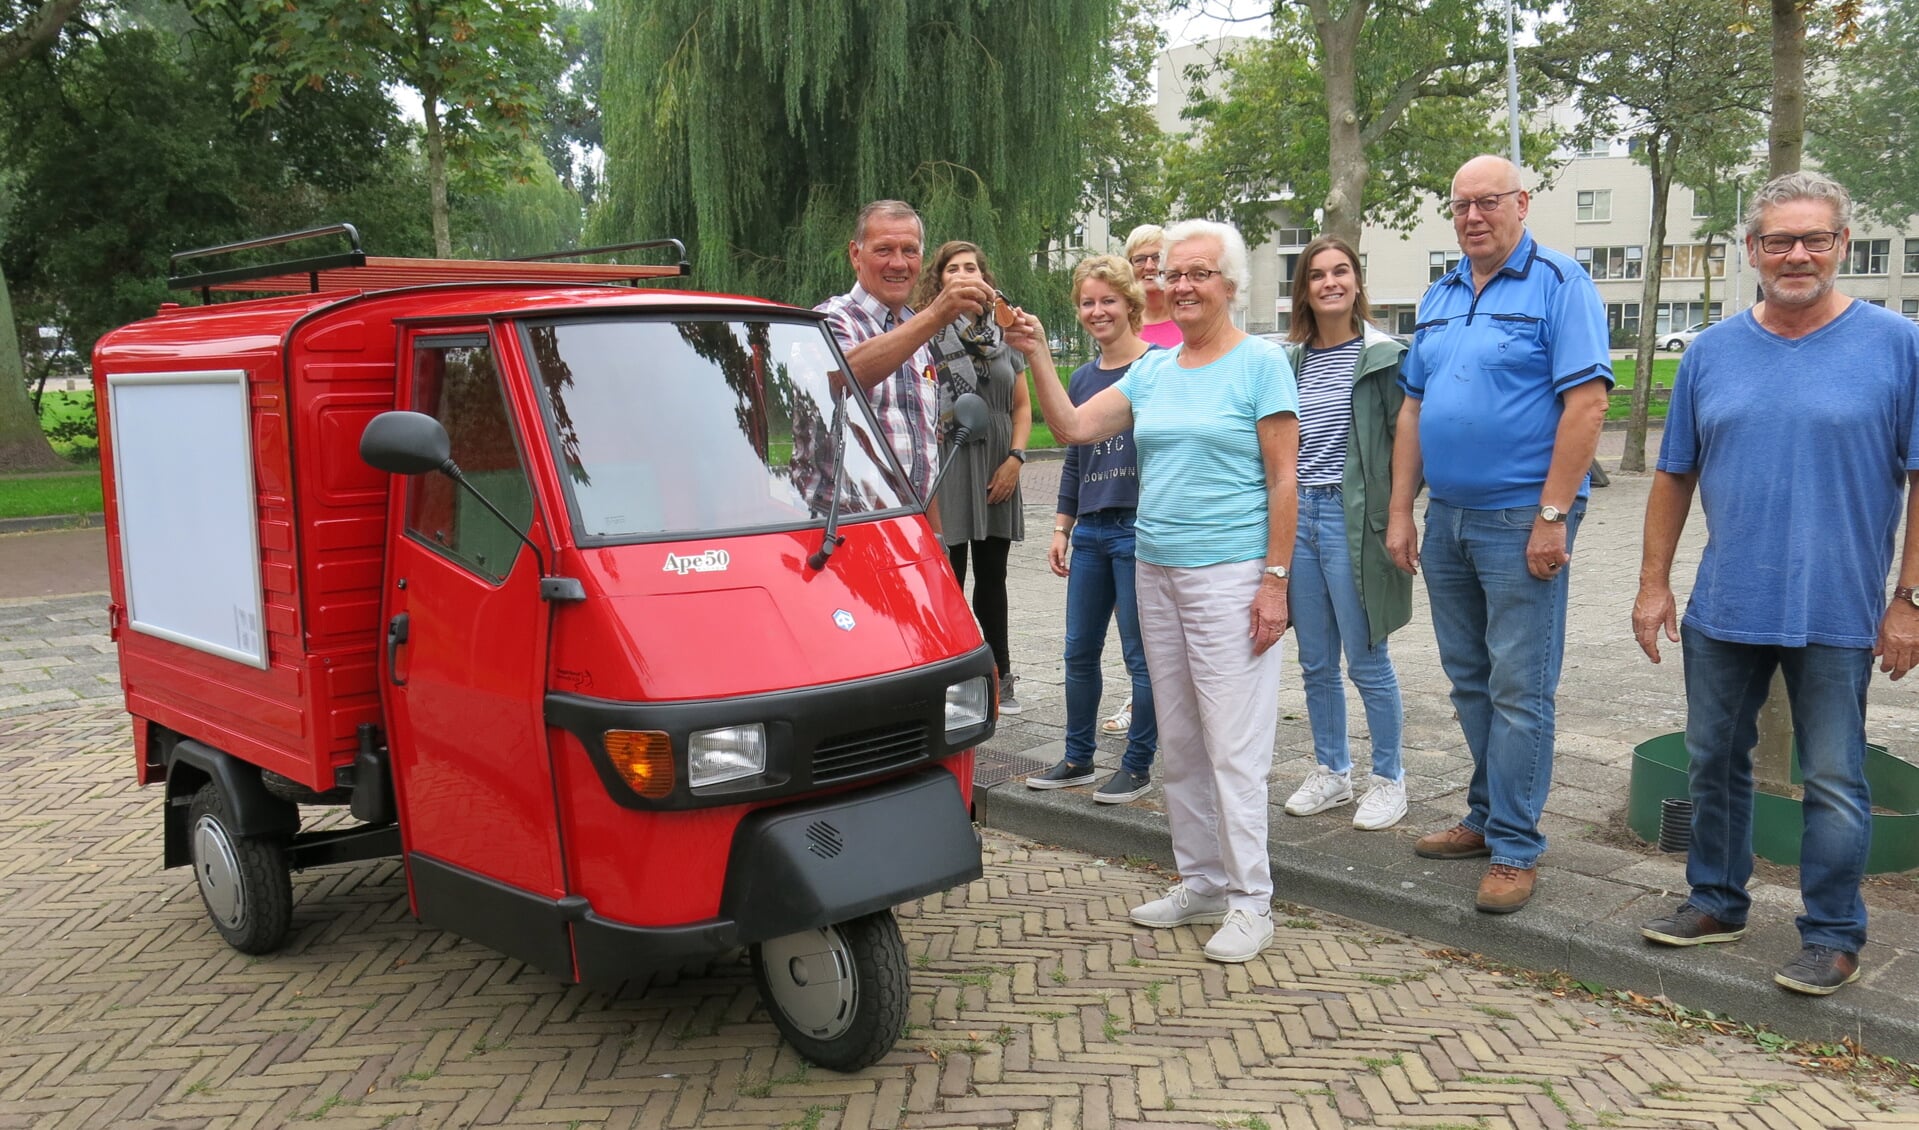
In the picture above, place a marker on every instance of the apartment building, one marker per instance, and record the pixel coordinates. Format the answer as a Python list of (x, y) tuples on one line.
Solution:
[(1597, 208)]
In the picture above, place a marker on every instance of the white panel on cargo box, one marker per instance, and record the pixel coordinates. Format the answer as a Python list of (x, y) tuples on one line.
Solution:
[(189, 530)]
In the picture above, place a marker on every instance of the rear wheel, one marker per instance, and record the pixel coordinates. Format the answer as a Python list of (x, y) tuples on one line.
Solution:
[(243, 880), (1677, 345), (838, 994)]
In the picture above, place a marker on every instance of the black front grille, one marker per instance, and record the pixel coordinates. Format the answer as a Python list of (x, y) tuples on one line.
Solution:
[(846, 756)]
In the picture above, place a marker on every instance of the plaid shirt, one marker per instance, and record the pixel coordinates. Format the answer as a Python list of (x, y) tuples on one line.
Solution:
[(907, 404)]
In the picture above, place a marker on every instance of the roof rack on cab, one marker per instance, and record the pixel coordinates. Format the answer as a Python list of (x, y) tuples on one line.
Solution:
[(354, 271)]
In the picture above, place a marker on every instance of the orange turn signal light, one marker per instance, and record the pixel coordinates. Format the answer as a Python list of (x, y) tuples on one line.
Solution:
[(644, 758)]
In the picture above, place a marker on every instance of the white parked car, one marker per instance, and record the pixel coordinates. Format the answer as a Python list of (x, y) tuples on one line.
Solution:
[(1678, 340)]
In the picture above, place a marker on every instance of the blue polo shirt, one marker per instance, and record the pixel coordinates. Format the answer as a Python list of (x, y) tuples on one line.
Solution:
[(1488, 369)]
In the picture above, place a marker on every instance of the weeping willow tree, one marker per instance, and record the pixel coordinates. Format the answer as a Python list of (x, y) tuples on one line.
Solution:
[(755, 130)]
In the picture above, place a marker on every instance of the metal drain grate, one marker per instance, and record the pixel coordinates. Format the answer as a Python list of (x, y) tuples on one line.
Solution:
[(990, 768)]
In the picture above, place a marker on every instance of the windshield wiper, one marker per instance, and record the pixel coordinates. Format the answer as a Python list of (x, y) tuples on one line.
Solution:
[(833, 540)]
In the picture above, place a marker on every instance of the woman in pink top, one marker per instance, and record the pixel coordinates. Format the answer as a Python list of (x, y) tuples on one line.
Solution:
[(1142, 251)]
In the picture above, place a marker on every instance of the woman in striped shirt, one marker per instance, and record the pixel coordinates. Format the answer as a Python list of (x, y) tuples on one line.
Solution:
[(1346, 593)]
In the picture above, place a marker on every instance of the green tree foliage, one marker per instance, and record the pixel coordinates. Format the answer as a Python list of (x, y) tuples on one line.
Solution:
[(1125, 150), (1357, 109), (755, 130), (522, 217), (25, 30), (1866, 133), (128, 147), (480, 67), (1679, 77)]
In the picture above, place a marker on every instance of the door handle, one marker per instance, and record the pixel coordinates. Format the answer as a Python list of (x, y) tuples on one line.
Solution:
[(396, 630)]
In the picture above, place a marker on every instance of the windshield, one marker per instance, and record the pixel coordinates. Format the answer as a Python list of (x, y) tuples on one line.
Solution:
[(665, 427)]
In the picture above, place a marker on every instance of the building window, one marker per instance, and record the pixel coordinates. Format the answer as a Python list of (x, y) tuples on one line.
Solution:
[(1605, 263), (1623, 317), (1597, 147), (1440, 262), (1866, 257), (1879, 302), (1701, 208), (1689, 261), (1594, 204), (1670, 316), (1912, 256), (1293, 237), (1910, 308)]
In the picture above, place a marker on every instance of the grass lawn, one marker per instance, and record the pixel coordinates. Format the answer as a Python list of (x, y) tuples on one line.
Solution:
[(1663, 371), (50, 493)]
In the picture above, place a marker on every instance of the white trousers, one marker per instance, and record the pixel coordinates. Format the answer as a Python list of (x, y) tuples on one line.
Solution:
[(1218, 710)]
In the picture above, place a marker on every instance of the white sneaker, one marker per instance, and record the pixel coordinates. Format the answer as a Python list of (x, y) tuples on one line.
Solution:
[(1122, 720), (1242, 937), (1323, 789), (1179, 906), (1384, 806)]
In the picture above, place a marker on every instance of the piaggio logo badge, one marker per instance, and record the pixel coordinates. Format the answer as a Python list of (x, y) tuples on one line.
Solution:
[(843, 620), (710, 561)]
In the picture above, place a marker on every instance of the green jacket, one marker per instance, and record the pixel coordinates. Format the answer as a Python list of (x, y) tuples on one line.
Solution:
[(1386, 592)]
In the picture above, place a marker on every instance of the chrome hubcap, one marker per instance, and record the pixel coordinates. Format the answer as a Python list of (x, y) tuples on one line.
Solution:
[(218, 870)]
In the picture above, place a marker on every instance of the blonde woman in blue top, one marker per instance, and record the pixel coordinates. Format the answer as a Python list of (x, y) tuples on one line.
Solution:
[(1216, 422)]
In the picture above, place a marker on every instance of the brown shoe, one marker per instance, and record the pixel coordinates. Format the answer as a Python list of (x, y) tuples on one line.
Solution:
[(1505, 889), (1456, 842)]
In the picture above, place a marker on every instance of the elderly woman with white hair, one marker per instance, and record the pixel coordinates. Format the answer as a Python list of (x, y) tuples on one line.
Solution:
[(1216, 421)]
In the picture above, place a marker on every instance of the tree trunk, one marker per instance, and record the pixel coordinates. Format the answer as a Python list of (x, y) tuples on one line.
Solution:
[(1786, 141), (1785, 144), (1705, 291), (23, 446), (1659, 161), (436, 173), (1346, 165)]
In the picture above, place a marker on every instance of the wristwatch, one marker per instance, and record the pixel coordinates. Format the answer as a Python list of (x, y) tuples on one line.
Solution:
[(1276, 571), (1018, 454), (1551, 514), (1907, 595)]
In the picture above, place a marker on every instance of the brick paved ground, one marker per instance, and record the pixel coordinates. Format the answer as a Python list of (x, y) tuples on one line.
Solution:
[(1035, 1005)]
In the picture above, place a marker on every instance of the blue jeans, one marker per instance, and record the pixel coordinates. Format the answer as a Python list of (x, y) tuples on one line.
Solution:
[(1726, 684), (1100, 585), (1328, 615), (1501, 634)]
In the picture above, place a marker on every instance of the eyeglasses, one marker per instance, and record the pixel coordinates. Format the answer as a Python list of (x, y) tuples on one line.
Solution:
[(1780, 243), (1196, 276), (1487, 205), (1142, 260)]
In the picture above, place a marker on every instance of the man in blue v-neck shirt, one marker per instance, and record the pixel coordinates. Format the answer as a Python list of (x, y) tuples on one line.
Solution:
[(1506, 386), (1797, 422)]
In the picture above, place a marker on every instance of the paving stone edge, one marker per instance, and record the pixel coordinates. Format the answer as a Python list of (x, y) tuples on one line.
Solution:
[(1596, 950), (52, 522)]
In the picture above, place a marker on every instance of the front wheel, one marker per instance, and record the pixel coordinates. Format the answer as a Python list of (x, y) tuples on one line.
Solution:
[(838, 994), (243, 880)]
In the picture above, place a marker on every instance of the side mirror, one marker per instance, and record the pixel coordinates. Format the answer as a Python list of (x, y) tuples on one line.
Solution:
[(970, 416), (405, 443)]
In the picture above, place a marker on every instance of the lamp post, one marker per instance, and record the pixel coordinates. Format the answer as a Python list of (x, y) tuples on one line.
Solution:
[(1512, 86)]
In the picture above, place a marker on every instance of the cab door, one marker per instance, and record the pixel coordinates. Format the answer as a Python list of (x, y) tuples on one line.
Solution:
[(464, 669)]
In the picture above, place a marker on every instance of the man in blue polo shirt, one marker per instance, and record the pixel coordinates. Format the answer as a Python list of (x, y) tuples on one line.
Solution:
[(1506, 385)]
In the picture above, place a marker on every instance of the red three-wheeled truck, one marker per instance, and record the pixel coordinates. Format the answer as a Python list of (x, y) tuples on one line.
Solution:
[(604, 607)]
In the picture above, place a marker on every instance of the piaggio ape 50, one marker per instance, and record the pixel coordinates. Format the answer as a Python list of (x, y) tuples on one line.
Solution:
[(605, 608)]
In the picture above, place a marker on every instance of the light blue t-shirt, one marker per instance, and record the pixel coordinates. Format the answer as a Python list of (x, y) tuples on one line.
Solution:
[(1488, 368), (1202, 483), (1802, 447)]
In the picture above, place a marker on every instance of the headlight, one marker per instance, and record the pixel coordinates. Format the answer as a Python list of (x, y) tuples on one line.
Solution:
[(714, 757), (968, 704)]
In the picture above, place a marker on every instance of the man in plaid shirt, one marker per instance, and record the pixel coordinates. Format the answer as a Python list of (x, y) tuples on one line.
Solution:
[(885, 342)]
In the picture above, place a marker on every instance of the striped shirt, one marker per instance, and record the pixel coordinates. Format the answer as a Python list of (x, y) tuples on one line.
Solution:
[(1326, 412), (906, 404)]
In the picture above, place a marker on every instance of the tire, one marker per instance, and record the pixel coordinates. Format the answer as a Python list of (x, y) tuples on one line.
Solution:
[(837, 994), (244, 882), (1676, 345)]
